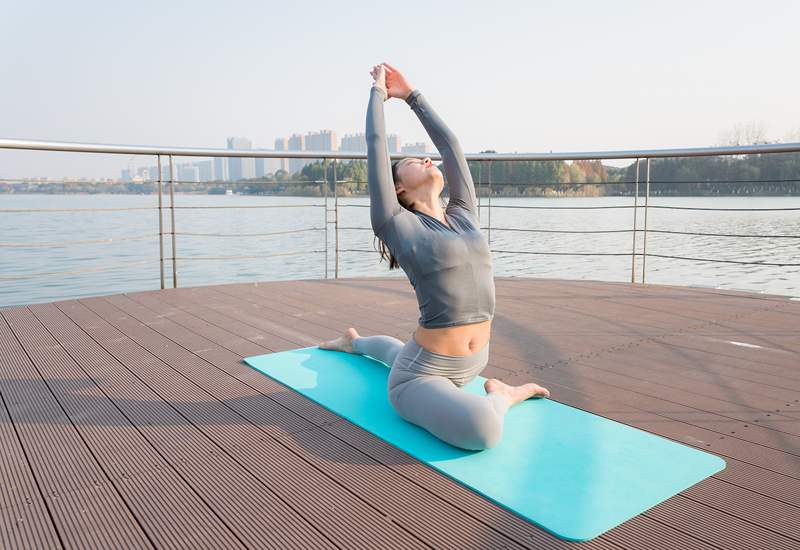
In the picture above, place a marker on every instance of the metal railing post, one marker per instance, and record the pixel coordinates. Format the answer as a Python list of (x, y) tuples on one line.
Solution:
[(635, 210), (489, 228), (480, 179), (172, 218), (336, 222), (646, 203), (325, 191), (160, 224)]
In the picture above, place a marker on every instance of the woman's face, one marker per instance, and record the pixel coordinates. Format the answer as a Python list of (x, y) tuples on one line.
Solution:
[(415, 173)]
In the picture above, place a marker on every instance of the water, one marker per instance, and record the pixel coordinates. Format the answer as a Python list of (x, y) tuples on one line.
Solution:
[(306, 259)]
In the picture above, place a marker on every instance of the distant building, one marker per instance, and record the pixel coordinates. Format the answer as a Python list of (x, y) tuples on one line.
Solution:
[(238, 167), (259, 162), (221, 169), (188, 173), (358, 143), (205, 170), (149, 174), (282, 144), (394, 143), (297, 142), (419, 147), (324, 140), (354, 142)]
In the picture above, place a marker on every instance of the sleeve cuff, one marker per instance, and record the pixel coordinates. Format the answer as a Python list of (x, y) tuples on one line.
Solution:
[(412, 98)]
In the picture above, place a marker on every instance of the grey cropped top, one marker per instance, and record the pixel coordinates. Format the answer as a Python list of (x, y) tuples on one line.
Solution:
[(450, 268)]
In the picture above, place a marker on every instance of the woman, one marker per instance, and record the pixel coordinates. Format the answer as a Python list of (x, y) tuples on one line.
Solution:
[(448, 263)]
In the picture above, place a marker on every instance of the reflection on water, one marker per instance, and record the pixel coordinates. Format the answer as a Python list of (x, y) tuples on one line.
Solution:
[(142, 225)]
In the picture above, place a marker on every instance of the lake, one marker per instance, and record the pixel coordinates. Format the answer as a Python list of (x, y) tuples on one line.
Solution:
[(127, 242)]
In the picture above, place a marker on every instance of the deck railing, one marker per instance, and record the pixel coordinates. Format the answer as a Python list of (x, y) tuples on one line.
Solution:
[(641, 204)]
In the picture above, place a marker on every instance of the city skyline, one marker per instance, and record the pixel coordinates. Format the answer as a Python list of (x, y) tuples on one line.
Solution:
[(237, 168)]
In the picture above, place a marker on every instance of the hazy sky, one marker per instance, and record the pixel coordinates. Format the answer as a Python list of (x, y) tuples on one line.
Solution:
[(525, 76)]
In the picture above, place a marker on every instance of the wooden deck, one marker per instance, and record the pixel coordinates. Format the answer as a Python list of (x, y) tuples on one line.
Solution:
[(131, 421)]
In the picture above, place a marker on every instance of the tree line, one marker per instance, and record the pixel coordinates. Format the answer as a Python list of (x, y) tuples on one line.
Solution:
[(772, 174)]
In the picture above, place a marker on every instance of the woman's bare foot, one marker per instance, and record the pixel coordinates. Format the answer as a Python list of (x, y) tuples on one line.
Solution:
[(515, 394), (342, 343)]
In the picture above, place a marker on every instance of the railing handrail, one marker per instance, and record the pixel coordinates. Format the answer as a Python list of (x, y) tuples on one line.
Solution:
[(73, 147)]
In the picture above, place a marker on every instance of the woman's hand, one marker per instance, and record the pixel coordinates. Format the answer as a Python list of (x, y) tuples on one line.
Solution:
[(379, 75), (396, 83)]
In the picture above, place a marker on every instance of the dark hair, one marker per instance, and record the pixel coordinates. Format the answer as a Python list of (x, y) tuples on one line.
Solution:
[(385, 252), (395, 177)]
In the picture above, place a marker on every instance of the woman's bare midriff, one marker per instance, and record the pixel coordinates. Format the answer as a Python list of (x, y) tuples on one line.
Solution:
[(459, 340)]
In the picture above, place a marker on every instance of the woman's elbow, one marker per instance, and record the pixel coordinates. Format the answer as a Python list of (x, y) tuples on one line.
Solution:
[(373, 138)]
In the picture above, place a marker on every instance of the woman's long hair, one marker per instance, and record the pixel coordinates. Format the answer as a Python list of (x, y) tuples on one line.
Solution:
[(385, 252)]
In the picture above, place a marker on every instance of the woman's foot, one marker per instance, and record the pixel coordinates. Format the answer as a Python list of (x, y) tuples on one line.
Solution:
[(342, 343), (515, 394)]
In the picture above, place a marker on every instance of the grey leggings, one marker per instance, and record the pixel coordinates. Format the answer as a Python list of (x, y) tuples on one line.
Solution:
[(424, 388)]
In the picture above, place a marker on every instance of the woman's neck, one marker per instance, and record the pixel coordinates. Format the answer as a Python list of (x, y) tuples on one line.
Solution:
[(433, 210)]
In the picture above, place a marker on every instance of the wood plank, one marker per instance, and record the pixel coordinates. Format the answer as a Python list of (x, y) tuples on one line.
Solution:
[(48, 434), (24, 519), (150, 392), (175, 419), (98, 396), (159, 305)]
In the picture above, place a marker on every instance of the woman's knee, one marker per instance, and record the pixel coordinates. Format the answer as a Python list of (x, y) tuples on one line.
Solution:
[(486, 431), (464, 422)]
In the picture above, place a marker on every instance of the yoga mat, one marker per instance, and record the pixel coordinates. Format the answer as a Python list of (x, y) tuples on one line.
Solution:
[(573, 473)]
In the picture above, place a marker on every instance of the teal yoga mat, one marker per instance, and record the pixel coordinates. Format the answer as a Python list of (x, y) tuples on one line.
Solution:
[(573, 473)]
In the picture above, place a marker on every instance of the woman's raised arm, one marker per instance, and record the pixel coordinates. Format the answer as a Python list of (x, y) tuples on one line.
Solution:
[(383, 203), (456, 169)]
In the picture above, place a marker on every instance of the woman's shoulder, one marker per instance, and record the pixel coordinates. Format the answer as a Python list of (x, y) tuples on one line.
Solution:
[(400, 227), (465, 216)]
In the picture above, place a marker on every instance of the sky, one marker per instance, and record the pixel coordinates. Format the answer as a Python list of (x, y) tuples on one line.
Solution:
[(512, 76)]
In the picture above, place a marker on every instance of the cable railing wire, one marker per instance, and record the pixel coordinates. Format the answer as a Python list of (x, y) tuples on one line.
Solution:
[(549, 253), (739, 235), (258, 257), (627, 254), (667, 207), (576, 231), (608, 207), (61, 244), (52, 210), (243, 206), (245, 235), (711, 260), (638, 230), (693, 233), (531, 207)]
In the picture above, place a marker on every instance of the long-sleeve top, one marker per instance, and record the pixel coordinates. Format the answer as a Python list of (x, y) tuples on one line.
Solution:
[(450, 268)]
